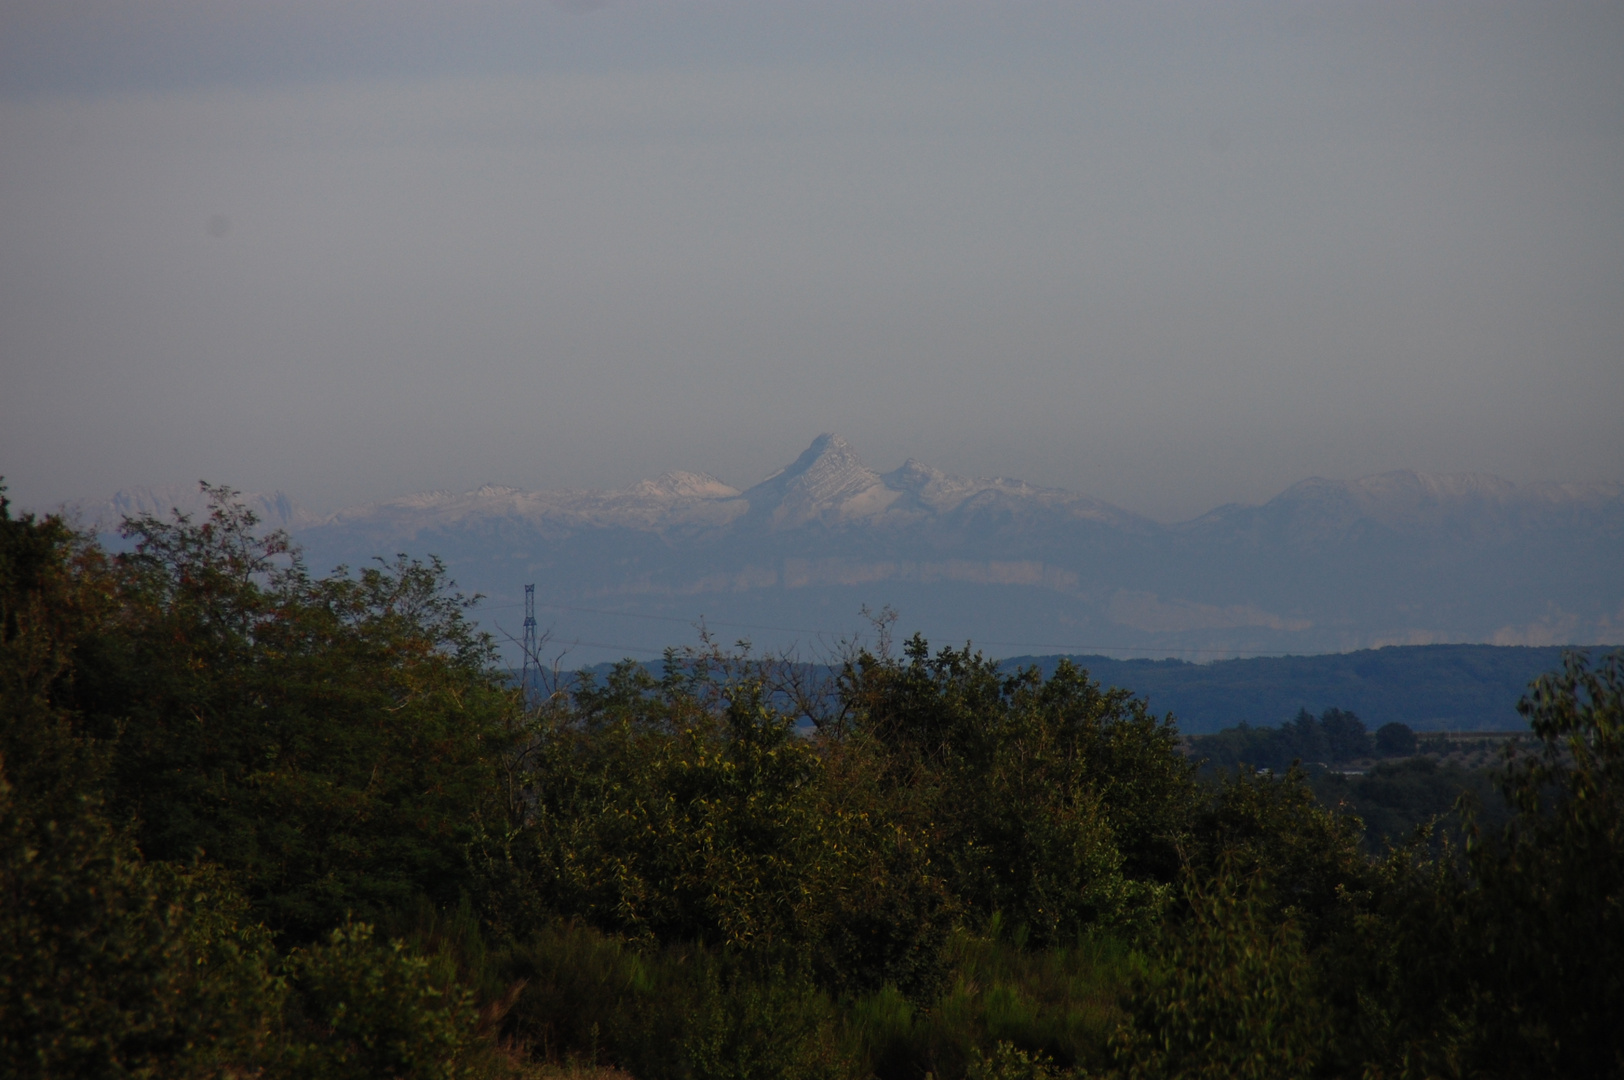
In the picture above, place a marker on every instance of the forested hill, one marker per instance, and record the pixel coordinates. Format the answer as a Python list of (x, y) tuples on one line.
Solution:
[(1428, 687)]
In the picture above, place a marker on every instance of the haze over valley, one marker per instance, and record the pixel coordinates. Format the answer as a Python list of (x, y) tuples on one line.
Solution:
[(789, 561)]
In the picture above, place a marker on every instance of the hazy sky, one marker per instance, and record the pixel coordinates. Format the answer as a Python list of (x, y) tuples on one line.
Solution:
[(1168, 254)]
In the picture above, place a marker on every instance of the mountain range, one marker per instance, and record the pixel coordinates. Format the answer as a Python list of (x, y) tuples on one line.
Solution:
[(1325, 566)]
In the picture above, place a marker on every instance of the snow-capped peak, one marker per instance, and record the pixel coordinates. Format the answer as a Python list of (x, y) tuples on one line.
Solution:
[(685, 485), (828, 483)]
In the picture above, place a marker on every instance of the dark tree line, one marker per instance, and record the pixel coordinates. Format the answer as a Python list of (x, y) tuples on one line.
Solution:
[(1335, 736)]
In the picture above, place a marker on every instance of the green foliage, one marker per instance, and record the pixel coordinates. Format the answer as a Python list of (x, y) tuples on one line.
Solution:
[(749, 1028), (681, 830), (1395, 798), (328, 739), (1008, 1062), (1056, 805), (1307, 858), (579, 984), (886, 911), (682, 1012), (1548, 914), (361, 1008), (1234, 996), (1057, 1005), (681, 813), (1392, 974), (109, 967), (668, 1013), (111, 964)]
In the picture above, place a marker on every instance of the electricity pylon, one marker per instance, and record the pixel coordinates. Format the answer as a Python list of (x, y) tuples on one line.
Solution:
[(530, 643)]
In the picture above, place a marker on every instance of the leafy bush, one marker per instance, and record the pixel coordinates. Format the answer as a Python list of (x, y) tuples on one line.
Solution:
[(1009, 1062), (667, 1013), (706, 833), (1307, 858), (1395, 798), (1057, 1005), (1548, 914), (1234, 996), (330, 740), (361, 1008), (1056, 804), (110, 967)]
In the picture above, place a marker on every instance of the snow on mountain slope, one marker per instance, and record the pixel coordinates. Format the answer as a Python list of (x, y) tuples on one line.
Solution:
[(676, 498), (275, 509), (1326, 565), (1442, 506), (830, 486), (827, 483)]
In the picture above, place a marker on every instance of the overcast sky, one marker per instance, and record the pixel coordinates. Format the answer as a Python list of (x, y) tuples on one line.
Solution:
[(1171, 255)]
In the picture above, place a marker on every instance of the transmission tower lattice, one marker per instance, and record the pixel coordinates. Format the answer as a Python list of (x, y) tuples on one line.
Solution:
[(530, 644)]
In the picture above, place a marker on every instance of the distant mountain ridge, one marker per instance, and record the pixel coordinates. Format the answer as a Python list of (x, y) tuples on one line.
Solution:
[(1326, 566), (1428, 687), (275, 509), (827, 485), (1476, 503)]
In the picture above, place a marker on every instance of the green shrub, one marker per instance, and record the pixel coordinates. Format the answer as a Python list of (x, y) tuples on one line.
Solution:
[(360, 1008), (580, 988), (763, 1028), (708, 833), (110, 967), (1233, 998), (1053, 802), (1547, 918), (1308, 859), (330, 740), (1056, 1005), (677, 1013), (1009, 1062)]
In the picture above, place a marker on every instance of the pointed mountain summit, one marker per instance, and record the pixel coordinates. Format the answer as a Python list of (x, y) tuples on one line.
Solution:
[(1326, 565), (828, 483)]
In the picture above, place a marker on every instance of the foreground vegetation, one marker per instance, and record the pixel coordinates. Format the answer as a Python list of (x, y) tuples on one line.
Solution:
[(1392, 780), (256, 822)]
